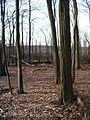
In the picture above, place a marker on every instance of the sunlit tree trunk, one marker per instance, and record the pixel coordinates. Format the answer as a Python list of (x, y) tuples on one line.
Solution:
[(54, 38), (65, 52), (19, 67)]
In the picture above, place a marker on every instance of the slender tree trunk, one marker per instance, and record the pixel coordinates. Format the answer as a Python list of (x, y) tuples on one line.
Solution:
[(51, 50), (54, 38), (29, 31), (73, 62), (22, 39), (76, 36), (36, 50), (39, 60), (9, 38), (65, 52), (19, 67), (47, 52), (13, 30), (32, 52)]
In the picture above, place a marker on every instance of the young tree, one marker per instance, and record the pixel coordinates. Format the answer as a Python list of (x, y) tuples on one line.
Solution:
[(65, 52), (54, 38), (20, 80)]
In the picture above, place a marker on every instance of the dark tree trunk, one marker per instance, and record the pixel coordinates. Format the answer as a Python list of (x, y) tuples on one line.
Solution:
[(2, 63), (54, 38), (76, 36), (65, 52), (22, 38), (19, 67), (29, 31), (36, 50), (13, 31), (9, 56), (39, 60)]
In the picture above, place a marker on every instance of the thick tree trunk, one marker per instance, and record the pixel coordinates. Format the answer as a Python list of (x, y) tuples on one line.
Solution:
[(20, 80), (54, 38), (65, 52), (2, 63)]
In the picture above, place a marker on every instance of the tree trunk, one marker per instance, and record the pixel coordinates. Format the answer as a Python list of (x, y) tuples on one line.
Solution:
[(65, 52), (39, 60), (10, 38), (29, 31), (19, 67), (54, 38), (2, 61), (76, 36), (13, 30), (22, 38)]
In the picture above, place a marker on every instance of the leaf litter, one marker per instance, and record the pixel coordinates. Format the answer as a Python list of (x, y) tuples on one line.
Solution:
[(40, 90)]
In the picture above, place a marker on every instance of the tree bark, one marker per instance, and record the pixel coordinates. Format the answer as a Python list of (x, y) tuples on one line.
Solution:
[(2, 63), (10, 38), (22, 37), (19, 67), (13, 30), (65, 52), (76, 36), (54, 38), (29, 31)]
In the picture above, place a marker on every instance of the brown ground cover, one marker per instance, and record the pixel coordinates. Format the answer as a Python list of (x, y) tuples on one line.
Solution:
[(40, 91)]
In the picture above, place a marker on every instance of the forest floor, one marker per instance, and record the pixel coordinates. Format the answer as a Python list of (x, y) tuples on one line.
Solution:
[(40, 91)]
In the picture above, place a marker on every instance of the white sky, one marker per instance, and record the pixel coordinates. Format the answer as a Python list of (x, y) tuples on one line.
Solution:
[(41, 20)]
